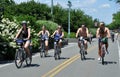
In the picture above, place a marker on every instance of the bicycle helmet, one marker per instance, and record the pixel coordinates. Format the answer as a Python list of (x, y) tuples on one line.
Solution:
[(24, 22)]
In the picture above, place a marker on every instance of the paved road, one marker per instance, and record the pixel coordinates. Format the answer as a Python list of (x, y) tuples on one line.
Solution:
[(69, 65)]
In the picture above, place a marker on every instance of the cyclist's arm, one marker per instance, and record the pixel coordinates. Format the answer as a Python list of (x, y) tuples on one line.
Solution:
[(39, 33), (28, 34), (53, 34), (87, 32), (17, 35), (48, 33), (62, 35), (77, 32), (97, 33), (108, 33)]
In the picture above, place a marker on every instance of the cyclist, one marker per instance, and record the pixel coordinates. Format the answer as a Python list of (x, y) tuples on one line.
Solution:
[(58, 34), (83, 31), (112, 36), (102, 34), (24, 33), (45, 35)]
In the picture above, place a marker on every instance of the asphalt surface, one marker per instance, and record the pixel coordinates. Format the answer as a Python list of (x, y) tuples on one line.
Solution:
[(70, 64)]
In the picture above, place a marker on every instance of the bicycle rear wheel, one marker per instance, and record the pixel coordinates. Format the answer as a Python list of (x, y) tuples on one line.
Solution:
[(18, 58)]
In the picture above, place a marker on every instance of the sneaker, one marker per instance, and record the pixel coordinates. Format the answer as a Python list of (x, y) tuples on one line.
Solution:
[(99, 58), (86, 53), (107, 52), (60, 51)]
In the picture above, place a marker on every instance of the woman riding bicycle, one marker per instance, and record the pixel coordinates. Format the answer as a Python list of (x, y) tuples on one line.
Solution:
[(24, 33), (58, 34), (45, 35), (102, 34)]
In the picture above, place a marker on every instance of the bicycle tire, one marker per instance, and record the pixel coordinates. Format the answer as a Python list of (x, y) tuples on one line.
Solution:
[(28, 59), (18, 58), (103, 53), (41, 50)]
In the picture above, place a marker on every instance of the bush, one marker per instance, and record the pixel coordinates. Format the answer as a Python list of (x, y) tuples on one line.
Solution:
[(50, 26), (72, 35), (93, 31)]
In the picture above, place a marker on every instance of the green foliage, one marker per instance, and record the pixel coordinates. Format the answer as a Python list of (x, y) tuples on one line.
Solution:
[(32, 11), (50, 26), (72, 35), (93, 31), (116, 21), (31, 20)]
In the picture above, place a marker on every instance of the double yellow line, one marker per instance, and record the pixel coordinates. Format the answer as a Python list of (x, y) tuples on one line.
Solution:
[(57, 69)]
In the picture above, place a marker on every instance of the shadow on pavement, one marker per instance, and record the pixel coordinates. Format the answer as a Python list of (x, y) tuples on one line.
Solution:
[(109, 62), (64, 58), (5, 62), (90, 58), (32, 65)]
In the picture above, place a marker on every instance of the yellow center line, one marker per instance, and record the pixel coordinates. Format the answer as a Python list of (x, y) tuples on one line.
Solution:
[(57, 71), (60, 67)]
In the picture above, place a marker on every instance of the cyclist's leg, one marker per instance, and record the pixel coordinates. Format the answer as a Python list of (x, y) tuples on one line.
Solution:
[(106, 46), (46, 45), (79, 44), (60, 44), (26, 47), (99, 48), (86, 46)]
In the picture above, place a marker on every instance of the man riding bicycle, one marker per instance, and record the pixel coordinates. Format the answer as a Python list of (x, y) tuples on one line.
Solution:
[(83, 32), (45, 35), (24, 33), (102, 34), (58, 34)]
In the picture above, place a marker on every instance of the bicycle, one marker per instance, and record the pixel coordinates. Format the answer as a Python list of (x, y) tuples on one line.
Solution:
[(103, 50), (42, 47), (82, 48), (56, 49), (21, 55)]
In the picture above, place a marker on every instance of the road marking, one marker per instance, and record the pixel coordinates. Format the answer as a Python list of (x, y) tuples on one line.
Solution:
[(36, 55), (60, 67), (118, 51), (6, 65)]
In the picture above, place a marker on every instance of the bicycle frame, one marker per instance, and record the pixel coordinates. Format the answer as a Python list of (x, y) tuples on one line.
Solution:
[(57, 49), (21, 54), (42, 50), (82, 48), (103, 49)]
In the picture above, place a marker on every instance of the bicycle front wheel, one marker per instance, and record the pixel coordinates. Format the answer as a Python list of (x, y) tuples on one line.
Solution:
[(18, 58), (28, 59)]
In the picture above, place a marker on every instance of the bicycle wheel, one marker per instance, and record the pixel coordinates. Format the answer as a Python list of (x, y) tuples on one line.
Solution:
[(41, 50), (28, 59), (18, 58), (103, 53), (58, 52), (82, 52), (55, 52)]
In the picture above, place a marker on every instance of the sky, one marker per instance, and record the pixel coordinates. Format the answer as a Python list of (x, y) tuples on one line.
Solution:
[(100, 9)]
